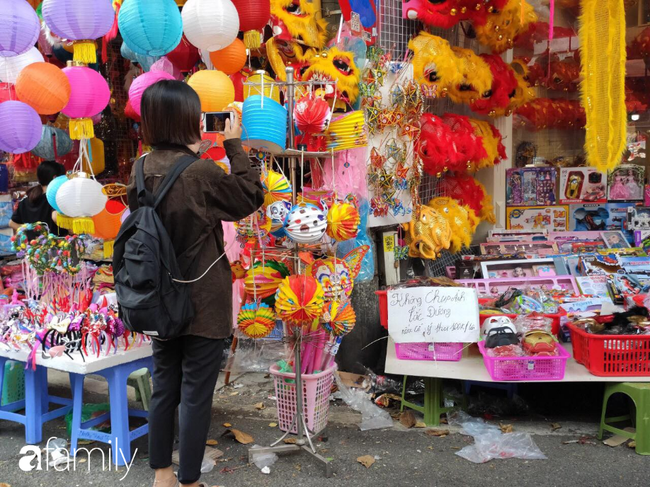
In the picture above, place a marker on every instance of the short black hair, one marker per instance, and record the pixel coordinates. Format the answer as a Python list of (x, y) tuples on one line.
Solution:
[(171, 114), (48, 170)]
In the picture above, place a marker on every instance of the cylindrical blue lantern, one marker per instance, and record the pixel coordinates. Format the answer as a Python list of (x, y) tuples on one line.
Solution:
[(52, 189), (20, 127), (45, 148), (150, 27), (19, 27)]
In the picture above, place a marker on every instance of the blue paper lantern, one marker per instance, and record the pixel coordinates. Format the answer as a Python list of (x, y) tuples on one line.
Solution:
[(45, 148), (52, 189), (145, 62), (151, 27)]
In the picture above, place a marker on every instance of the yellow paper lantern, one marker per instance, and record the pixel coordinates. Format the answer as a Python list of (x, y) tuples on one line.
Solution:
[(215, 89), (343, 221), (98, 163), (254, 83)]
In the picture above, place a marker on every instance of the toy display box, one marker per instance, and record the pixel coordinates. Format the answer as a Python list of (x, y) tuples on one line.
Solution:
[(627, 183), (551, 218), (638, 218), (531, 186), (594, 217), (6, 210), (582, 185)]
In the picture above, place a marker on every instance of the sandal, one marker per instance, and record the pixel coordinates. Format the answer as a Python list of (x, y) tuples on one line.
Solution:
[(171, 482)]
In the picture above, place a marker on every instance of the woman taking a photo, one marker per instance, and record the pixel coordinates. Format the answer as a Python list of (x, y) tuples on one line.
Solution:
[(186, 368)]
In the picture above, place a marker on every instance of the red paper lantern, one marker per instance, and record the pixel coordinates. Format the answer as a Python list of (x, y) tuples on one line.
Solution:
[(253, 16), (238, 80), (185, 56), (8, 92), (129, 112), (312, 115)]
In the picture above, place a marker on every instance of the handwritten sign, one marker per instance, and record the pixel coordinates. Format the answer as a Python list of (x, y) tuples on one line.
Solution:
[(433, 315)]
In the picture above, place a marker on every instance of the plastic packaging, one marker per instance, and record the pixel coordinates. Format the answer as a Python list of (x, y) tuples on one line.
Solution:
[(207, 465), (491, 443), (263, 460), (367, 272), (372, 416), (56, 451), (255, 355)]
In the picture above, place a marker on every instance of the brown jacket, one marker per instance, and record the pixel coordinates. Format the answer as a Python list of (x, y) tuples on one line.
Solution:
[(192, 212)]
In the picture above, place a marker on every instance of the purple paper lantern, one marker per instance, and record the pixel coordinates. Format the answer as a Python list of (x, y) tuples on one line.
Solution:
[(143, 82), (81, 21), (19, 27), (20, 127)]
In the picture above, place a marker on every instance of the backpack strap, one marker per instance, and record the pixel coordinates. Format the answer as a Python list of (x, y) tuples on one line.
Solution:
[(180, 166), (145, 198)]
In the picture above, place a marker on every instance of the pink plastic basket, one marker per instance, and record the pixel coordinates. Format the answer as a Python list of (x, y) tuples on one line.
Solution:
[(448, 352), (525, 368), (316, 398)]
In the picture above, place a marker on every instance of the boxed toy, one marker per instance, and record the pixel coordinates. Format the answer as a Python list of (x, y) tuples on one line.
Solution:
[(627, 183), (530, 186), (594, 217), (638, 218), (551, 218), (582, 185)]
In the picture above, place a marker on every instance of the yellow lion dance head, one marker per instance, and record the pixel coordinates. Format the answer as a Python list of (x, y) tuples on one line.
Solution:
[(434, 63), (339, 66), (295, 20), (475, 77)]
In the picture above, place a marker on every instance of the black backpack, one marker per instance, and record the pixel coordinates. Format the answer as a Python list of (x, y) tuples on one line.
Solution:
[(151, 298)]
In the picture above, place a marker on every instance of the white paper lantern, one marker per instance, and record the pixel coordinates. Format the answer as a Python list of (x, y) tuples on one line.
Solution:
[(210, 25), (81, 197), (306, 224), (10, 67)]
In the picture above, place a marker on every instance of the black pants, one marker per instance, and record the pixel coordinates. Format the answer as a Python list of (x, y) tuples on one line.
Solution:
[(185, 372)]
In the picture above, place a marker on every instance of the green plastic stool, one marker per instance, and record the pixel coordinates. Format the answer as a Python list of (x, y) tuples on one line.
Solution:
[(640, 395), (433, 407), (13, 383), (141, 381)]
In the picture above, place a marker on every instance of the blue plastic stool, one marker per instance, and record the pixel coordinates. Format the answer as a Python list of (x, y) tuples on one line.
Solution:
[(36, 404), (120, 436), (510, 387)]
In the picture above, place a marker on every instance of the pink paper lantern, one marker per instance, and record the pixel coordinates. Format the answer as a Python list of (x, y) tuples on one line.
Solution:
[(89, 96), (20, 127), (143, 82)]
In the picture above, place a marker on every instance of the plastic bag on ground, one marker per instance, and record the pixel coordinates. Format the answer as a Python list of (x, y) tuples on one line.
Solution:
[(372, 416), (263, 460), (491, 443), (207, 464)]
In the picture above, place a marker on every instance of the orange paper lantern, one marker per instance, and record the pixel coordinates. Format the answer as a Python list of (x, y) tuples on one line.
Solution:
[(230, 59), (44, 87), (108, 222), (215, 89)]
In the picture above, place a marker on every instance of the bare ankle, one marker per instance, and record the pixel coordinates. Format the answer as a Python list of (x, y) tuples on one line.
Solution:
[(164, 473)]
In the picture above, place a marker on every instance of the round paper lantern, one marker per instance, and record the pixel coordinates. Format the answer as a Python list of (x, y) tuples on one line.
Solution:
[(260, 83), (164, 64), (256, 320), (20, 127), (231, 59), (45, 148), (214, 88), (89, 96), (276, 188), (253, 17), (81, 21), (299, 299), (145, 62), (210, 25), (52, 190), (342, 318), (19, 27), (97, 154), (81, 197), (312, 115), (109, 220), (7, 92), (185, 56), (129, 112), (44, 87), (10, 67), (343, 221), (263, 279), (150, 27), (143, 82), (305, 224)]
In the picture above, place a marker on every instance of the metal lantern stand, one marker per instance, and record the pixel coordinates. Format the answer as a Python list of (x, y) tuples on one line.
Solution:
[(303, 440)]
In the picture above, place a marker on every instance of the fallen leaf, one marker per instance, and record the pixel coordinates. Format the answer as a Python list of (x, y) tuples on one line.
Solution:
[(385, 400), (234, 393), (290, 441), (555, 426), (441, 433), (631, 444), (506, 428), (212, 442), (5, 485), (240, 436), (429, 448), (273, 425), (420, 424), (407, 418), (366, 460), (80, 442), (82, 460), (259, 406), (227, 425), (298, 467)]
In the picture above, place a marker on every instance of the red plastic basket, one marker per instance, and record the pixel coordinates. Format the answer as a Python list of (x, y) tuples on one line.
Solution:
[(611, 355), (446, 352), (525, 368), (315, 398)]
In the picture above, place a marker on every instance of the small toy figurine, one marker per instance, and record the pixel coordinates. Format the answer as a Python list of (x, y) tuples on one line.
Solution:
[(619, 190), (518, 272), (573, 188), (634, 188)]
